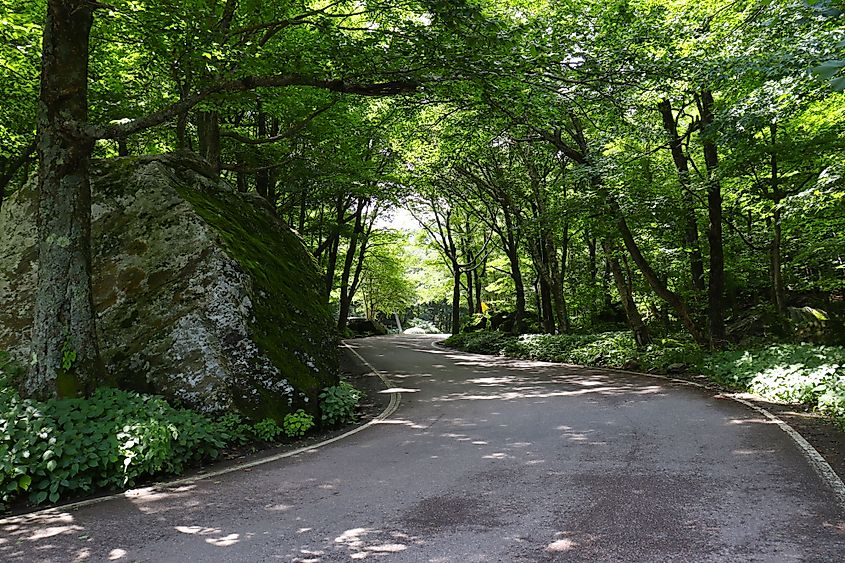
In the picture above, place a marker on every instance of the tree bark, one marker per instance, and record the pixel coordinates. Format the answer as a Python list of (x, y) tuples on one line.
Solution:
[(64, 336), (778, 291), (456, 297), (511, 245), (208, 131), (691, 241), (632, 313), (716, 288), (654, 281), (351, 250)]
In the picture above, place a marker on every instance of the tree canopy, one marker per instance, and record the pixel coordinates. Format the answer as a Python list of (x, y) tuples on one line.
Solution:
[(666, 164)]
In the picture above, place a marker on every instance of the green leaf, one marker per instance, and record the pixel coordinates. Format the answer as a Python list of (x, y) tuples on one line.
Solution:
[(24, 482), (829, 68)]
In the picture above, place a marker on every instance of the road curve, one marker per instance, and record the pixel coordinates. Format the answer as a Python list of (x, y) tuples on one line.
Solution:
[(487, 459)]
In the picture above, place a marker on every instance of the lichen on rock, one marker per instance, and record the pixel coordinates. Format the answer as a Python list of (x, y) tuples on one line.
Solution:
[(203, 295)]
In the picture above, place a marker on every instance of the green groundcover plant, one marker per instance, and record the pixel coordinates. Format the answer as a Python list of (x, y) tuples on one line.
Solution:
[(795, 373), (54, 449), (338, 404), (110, 440)]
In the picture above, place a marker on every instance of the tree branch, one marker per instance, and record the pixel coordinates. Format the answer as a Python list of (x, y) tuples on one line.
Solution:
[(245, 84)]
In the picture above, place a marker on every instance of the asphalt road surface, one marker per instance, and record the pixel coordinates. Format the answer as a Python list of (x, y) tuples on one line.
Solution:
[(487, 460)]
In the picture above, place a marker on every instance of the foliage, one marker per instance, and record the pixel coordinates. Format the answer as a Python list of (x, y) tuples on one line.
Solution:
[(115, 438), (611, 349), (482, 342), (267, 429), (296, 424), (338, 403), (795, 373), (234, 429)]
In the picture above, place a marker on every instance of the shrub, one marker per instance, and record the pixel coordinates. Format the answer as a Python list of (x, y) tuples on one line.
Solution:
[(482, 342), (296, 424), (338, 403), (795, 373), (267, 430), (234, 429), (113, 439)]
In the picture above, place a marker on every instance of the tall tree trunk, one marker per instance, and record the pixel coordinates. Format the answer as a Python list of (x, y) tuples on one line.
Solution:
[(635, 320), (778, 291), (333, 246), (546, 306), (691, 242), (654, 281), (511, 246), (351, 250), (716, 289), (262, 176), (478, 274), (456, 297), (208, 131), (64, 336)]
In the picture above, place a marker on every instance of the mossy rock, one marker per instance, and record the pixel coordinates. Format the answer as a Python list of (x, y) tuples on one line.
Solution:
[(203, 294)]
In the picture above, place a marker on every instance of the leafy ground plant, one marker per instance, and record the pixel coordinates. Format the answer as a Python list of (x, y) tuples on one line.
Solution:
[(110, 440), (338, 403), (794, 373), (296, 424)]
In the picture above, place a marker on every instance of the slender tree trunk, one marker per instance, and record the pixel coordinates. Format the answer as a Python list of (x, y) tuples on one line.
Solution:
[(208, 131), (262, 176), (546, 306), (345, 295), (478, 274), (511, 246), (333, 247), (778, 291), (691, 241), (716, 289), (635, 320), (456, 297), (303, 211), (654, 281), (64, 336)]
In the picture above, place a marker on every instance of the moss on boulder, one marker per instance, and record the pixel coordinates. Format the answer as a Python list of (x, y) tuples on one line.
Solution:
[(203, 295)]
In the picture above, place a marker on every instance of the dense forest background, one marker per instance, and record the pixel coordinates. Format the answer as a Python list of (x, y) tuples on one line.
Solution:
[(672, 162)]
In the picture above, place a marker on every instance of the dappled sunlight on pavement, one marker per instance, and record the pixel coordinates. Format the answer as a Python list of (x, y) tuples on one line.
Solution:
[(486, 459)]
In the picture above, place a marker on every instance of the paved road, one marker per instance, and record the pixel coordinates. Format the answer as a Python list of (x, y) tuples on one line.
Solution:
[(488, 460)]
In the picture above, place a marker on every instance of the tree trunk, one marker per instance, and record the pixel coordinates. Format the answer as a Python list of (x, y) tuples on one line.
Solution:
[(635, 320), (64, 336), (691, 242), (778, 291), (716, 289), (456, 297), (654, 281), (262, 176), (478, 274), (351, 250), (208, 131), (546, 306), (511, 246)]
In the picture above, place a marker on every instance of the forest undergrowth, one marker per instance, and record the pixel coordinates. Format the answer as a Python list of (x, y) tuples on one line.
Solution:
[(799, 373)]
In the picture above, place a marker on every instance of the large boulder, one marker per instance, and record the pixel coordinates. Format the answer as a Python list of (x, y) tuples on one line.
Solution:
[(202, 294)]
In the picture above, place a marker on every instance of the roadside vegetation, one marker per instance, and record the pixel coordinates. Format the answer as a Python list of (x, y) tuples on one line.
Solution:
[(65, 448), (806, 374)]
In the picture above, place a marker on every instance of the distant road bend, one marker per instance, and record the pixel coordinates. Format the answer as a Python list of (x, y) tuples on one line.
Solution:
[(486, 459)]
